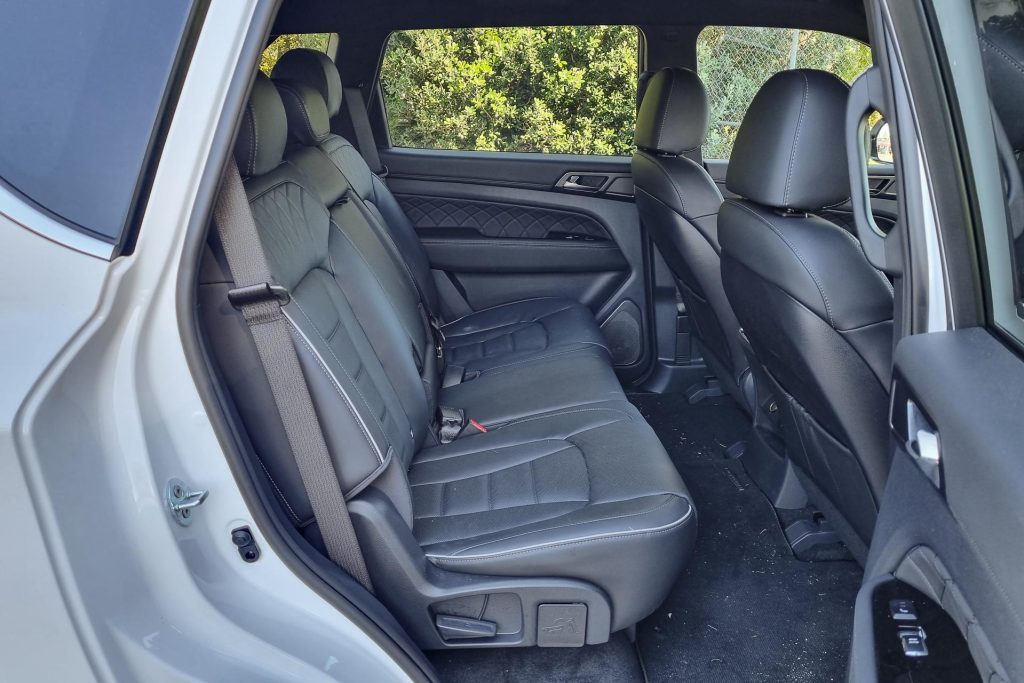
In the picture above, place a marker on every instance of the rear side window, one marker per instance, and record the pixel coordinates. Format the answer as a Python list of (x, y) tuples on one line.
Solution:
[(735, 61), (557, 89), (83, 86), (321, 42)]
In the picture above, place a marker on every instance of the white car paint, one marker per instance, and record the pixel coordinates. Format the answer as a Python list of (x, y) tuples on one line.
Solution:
[(98, 410)]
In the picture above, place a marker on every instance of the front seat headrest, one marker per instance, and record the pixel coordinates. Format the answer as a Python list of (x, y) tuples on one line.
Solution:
[(264, 131), (673, 116), (790, 152), (316, 70)]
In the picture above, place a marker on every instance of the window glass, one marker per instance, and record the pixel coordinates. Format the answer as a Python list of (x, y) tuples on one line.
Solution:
[(735, 61), (562, 89), (321, 42), (82, 88)]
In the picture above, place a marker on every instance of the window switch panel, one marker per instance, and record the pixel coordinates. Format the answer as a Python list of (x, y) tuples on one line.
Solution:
[(912, 639), (902, 610)]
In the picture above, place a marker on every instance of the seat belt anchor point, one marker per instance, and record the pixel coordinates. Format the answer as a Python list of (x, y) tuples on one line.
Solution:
[(257, 294)]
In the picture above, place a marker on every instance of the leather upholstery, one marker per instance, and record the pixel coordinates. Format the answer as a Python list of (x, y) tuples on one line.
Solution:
[(678, 204), (263, 133), (497, 220), (568, 481), (779, 157), (570, 494), (314, 69), (480, 341), (673, 116), (308, 120), (521, 331), (817, 314)]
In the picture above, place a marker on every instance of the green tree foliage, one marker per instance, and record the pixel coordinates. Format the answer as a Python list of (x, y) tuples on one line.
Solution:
[(281, 44), (568, 89), (563, 89)]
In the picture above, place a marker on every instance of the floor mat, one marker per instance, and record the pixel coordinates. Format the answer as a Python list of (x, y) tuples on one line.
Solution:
[(744, 609), (615, 660)]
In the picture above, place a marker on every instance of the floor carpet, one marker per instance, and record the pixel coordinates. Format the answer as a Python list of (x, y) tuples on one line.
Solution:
[(615, 660), (743, 610)]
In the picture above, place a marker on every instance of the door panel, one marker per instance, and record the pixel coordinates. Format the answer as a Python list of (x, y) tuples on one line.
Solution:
[(951, 528), (500, 227)]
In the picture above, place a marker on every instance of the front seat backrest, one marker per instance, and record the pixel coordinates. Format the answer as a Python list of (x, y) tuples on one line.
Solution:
[(818, 315), (678, 204)]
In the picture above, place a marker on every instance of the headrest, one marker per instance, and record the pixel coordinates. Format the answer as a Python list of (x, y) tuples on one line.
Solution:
[(673, 116), (790, 152), (308, 122), (316, 70), (264, 131), (1002, 52)]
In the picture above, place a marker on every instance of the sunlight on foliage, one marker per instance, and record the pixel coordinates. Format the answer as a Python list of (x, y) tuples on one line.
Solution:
[(567, 89), (273, 52)]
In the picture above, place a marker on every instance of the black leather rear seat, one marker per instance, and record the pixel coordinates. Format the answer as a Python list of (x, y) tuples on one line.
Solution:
[(520, 330), (569, 495)]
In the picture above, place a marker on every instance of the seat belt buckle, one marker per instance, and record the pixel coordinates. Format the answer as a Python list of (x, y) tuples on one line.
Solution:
[(450, 423), (257, 294), (384, 172)]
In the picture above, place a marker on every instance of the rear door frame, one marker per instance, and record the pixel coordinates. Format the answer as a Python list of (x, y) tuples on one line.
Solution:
[(957, 393)]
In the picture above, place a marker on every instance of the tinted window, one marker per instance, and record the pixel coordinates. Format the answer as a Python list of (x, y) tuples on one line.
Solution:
[(566, 89), (735, 61), (82, 84)]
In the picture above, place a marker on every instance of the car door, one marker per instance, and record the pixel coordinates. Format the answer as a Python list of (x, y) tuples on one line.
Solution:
[(943, 595), (516, 180)]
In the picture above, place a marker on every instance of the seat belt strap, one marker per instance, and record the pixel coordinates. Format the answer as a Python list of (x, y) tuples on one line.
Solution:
[(356, 107), (260, 303)]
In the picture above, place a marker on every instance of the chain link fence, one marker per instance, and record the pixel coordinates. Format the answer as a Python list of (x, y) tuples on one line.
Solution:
[(734, 63)]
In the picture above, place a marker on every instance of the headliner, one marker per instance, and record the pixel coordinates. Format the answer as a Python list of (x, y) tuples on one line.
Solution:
[(383, 16)]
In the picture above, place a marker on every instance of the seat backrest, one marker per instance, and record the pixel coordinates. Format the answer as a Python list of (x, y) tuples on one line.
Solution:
[(678, 204), (316, 70), (817, 314), (372, 426), (390, 297)]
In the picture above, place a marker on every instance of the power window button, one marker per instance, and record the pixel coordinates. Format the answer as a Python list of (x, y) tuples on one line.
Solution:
[(902, 610), (912, 640)]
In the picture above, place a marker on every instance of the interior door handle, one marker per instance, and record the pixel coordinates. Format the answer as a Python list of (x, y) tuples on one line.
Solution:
[(582, 181), (573, 185), (923, 444)]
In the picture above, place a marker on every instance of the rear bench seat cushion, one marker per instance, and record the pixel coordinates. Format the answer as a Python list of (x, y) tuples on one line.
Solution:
[(559, 382), (521, 331), (588, 494)]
